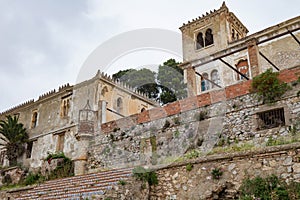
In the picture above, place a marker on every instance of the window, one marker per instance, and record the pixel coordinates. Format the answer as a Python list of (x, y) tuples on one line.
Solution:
[(204, 82), (60, 142), (209, 39), (215, 78), (65, 107), (29, 149), (142, 110), (271, 119), (119, 105), (232, 34), (242, 66), (34, 119), (200, 41)]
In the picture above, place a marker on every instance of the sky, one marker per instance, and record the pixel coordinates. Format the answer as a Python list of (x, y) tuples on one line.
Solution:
[(45, 44)]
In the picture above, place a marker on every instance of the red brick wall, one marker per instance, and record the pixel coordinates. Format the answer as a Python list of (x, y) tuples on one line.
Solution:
[(230, 92)]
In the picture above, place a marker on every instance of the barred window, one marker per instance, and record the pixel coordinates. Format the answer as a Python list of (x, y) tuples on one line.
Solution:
[(271, 119)]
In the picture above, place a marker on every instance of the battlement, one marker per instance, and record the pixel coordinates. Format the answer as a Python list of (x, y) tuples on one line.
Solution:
[(122, 85), (27, 103), (206, 15)]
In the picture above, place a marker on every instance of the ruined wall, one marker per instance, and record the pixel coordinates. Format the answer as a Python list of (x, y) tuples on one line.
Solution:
[(176, 182), (160, 135)]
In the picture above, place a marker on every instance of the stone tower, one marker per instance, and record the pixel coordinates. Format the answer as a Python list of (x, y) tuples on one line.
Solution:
[(210, 33)]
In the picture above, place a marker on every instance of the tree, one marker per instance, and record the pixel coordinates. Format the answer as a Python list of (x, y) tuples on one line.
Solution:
[(170, 78), (166, 86), (143, 80), (14, 136)]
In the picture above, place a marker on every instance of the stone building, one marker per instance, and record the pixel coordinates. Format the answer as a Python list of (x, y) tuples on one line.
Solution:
[(217, 54), (217, 51), (65, 120)]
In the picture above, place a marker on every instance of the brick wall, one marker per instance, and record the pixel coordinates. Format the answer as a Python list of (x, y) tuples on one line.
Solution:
[(205, 99)]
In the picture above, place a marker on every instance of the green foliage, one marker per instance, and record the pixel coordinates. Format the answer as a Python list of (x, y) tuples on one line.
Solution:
[(166, 86), (15, 137), (216, 173), (170, 77), (269, 188), (192, 154), (32, 178), (189, 167), (145, 175), (268, 87), (64, 169), (56, 156), (143, 80), (176, 134), (122, 182)]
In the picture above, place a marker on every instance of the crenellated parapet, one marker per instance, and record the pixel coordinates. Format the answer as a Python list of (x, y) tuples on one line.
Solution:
[(206, 15), (27, 103), (63, 87), (47, 94), (121, 84)]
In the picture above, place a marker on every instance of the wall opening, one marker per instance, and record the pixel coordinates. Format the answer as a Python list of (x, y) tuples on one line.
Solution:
[(34, 119), (60, 142), (29, 149), (271, 119)]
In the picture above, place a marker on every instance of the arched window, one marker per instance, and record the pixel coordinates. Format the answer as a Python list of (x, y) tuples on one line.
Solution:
[(215, 78), (119, 105), (34, 119), (200, 41), (209, 39), (242, 66), (204, 82), (232, 34), (142, 110)]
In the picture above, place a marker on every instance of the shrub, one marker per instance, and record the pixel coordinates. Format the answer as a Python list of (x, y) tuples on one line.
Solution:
[(145, 175), (268, 188), (122, 182), (33, 178), (216, 173), (268, 87), (189, 167)]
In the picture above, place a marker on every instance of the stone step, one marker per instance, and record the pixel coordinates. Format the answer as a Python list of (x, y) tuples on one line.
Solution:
[(77, 187)]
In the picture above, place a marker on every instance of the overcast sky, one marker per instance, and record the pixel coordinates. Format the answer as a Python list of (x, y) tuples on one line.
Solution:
[(43, 44)]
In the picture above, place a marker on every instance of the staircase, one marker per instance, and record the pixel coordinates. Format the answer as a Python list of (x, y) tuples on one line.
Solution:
[(77, 187)]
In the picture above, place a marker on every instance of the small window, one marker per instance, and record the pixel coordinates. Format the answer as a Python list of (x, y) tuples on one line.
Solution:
[(215, 78), (209, 39), (271, 119), (34, 119), (204, 82), (119, 105), (29, 149), (142, 110), (242, 66), (60, 142), (65, 107), (200, 41)]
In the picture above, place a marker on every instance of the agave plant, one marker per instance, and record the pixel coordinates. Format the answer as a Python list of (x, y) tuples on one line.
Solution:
[(13, 136)]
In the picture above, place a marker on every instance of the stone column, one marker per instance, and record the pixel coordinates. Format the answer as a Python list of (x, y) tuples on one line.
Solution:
[(191, 81)]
